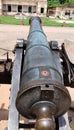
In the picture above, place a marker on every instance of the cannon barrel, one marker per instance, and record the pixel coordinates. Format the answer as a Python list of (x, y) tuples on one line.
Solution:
[(42, 95)]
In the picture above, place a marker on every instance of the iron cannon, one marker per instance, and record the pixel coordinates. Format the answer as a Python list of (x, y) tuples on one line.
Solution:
[(42, 94), (39, 76)]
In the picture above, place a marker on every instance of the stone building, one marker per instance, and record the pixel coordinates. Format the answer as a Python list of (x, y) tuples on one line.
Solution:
[(58, 11), (25, 6)]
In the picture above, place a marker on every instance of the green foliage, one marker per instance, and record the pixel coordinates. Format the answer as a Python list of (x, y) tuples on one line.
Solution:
[(55, 3), (71, 1)]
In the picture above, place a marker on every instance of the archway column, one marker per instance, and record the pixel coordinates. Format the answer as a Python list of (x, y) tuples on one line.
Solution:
[(0, 7), (42, 4)]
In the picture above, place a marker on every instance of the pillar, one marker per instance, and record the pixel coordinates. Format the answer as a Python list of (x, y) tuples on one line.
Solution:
[(42, 4), (0, 7)]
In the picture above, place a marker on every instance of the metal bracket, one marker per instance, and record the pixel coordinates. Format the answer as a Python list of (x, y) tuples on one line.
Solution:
[(54, 45), (20, 43), (13, 113)]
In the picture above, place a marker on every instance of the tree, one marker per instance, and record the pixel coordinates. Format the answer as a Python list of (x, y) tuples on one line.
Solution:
[(63, 1), (54, 3)]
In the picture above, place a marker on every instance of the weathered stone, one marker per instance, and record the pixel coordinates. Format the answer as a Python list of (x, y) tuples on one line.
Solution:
[(24, 6)]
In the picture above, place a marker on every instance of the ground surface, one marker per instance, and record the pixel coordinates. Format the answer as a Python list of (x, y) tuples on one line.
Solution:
[(8, 37)]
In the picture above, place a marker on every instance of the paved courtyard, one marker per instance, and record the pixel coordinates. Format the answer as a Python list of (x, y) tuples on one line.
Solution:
[(8, 36), (10, 33)]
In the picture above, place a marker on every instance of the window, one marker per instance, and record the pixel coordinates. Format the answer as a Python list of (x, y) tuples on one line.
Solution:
[(19, 8), (9, 8), (29, 9), (42, 10)]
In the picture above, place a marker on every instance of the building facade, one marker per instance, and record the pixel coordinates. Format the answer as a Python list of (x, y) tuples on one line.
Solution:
[(24, 6)]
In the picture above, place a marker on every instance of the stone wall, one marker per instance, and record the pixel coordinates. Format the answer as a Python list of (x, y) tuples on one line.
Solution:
[(26, 6), (42, 5)]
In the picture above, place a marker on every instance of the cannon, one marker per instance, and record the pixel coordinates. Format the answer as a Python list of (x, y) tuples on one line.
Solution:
[(42, 93), (41, 71)]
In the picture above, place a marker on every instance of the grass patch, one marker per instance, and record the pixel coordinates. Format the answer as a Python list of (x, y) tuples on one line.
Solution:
[(53, 22), (50, 22), (70, 24), (46, 21), (8, 20), (12, 20)]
